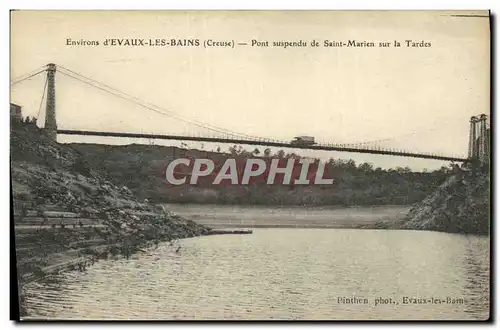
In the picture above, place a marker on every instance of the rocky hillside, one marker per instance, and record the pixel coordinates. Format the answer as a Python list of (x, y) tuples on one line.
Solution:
[(67, 214), (142, 169), (459, 205)]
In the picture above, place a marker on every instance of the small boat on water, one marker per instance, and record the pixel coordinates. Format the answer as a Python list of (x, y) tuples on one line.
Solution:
[(227, 232)]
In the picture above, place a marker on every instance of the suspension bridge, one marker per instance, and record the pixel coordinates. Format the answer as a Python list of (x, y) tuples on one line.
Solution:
[(478, 139)]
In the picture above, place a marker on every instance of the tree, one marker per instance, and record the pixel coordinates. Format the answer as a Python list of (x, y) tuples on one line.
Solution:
[(267, 152), (365, 167), (233, 150), (280, 154), (443, 170), (351, 164), (256, 151), (403, 170)]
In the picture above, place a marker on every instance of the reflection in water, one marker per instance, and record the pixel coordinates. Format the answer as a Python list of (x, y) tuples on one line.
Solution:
[(476, 263), (282, 274)]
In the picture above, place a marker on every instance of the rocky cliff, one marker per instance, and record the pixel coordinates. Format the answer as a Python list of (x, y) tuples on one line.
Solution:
[(460, 205)]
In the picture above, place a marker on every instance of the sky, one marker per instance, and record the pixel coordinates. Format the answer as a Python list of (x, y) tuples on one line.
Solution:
[(412, 98)]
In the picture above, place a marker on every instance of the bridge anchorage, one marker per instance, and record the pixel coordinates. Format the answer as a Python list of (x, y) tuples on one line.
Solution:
[(478, 140)]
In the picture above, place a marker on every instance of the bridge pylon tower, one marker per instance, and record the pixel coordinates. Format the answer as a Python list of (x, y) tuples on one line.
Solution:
[(479, 139), (50, 113)]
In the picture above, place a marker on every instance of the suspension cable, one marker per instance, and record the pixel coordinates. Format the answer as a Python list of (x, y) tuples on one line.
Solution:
[(162, 111), (147, 106), (43, 97), (137, 102), (397, 137), (153, 107), (28, 75)]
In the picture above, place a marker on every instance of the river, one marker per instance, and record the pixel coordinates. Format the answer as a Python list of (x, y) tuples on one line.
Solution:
[(282, 273)]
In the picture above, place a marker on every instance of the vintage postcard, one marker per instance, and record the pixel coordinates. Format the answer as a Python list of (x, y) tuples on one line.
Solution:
[(251, 165)]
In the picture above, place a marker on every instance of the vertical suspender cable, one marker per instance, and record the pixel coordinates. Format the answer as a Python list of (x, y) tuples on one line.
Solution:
[(43, 98)]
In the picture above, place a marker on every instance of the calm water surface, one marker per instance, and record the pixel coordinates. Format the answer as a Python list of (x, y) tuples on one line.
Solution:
[(281, 273)]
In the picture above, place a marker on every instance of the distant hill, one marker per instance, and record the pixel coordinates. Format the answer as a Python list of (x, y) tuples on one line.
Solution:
[(142, 169)]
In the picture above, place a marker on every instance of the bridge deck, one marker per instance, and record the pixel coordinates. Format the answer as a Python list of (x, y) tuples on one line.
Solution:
[(264, 143)]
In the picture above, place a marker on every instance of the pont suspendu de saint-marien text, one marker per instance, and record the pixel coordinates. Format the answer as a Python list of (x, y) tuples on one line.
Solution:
[(255, 43)]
